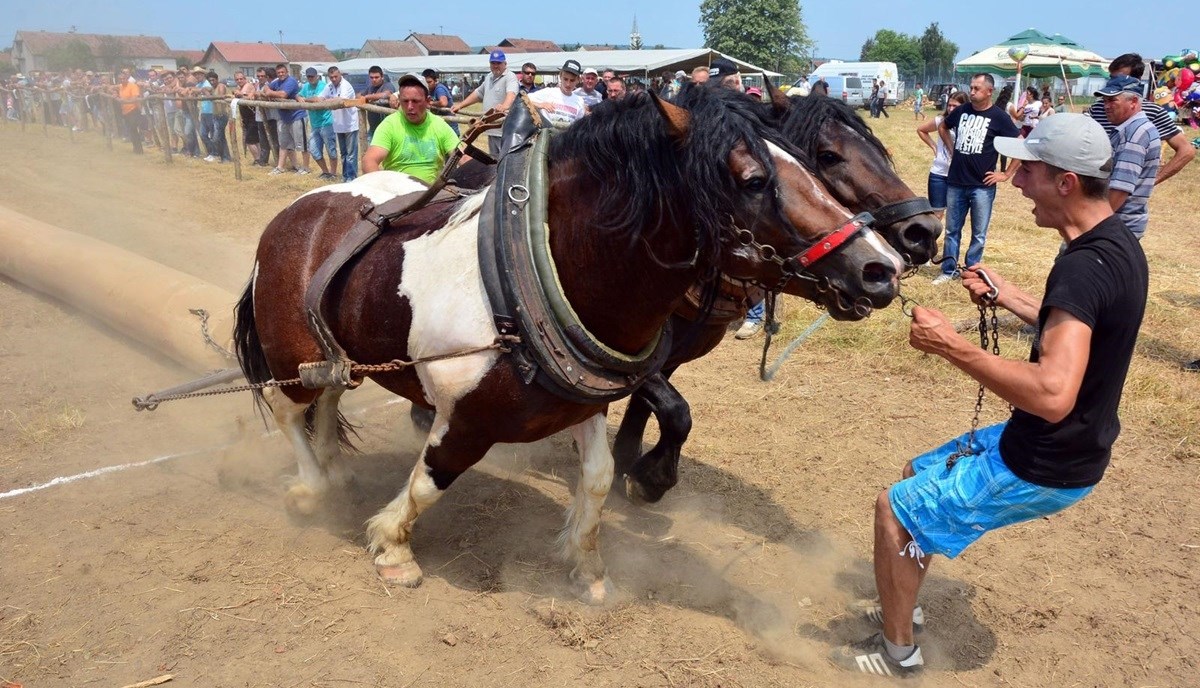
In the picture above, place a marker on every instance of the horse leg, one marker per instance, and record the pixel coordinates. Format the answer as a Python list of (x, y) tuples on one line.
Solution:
[(627, 446), (580, 537), (326, 441), (304, 492), (389, 532), (658, 470)]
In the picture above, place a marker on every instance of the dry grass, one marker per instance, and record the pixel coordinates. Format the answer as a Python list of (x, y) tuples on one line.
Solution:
[(46, 423), (1156, 392)]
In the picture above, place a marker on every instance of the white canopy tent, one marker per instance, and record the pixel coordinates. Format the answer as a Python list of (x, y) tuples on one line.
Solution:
[(645, 63)]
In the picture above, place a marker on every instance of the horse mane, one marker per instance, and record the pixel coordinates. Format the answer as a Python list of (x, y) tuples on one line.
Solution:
[(801, 123), (625, 149)]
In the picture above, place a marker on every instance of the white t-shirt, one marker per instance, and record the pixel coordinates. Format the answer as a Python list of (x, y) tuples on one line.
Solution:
[(566, 108), (941, 156), (346, 119)]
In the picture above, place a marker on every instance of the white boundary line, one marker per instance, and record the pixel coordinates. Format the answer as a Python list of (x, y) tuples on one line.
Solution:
[(63, 480)]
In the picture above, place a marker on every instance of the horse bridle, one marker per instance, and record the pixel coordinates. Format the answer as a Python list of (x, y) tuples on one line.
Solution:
[(799, 266)]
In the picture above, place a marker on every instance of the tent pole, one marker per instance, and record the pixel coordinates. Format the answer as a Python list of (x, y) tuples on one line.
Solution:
[(1070, 99)]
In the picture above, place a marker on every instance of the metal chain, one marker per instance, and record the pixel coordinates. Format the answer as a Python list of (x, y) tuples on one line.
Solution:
[(502, 343), (203, 315), (987, 335)]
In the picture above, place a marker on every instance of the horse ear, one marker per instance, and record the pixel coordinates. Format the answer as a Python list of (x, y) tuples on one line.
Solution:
[(678, 119), (778, 100)]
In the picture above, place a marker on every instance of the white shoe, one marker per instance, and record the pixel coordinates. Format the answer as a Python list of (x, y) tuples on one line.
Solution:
[(275, 172), (942, 279), (302, 171), (748, 330), (209, 158)]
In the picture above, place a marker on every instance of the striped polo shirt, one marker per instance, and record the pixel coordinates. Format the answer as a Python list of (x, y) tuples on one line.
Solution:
[(1136, 152)]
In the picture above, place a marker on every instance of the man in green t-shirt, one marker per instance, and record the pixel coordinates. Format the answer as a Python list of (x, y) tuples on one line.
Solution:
[(411, 140)]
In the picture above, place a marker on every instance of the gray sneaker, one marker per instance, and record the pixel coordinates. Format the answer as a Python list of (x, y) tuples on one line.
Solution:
[(942, 279), (275, 172), (748, 329), (301, 171), (870, 656)]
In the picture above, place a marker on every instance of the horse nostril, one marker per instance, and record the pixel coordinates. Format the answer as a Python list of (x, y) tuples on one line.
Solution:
[(877, 273), (918, 236)]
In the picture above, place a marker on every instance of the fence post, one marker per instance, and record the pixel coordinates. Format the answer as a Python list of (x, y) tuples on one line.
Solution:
[(363, 141), (45, 113), (166, 130), (23, 108), (231, 142), (114, 113)]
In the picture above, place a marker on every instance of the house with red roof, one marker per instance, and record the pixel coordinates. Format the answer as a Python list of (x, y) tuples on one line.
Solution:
[(34, 51), (528, 45), (375, 48), (227, 57), (439, 44)]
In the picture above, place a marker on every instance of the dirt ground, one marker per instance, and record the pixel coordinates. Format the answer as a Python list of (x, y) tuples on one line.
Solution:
[(190, 566)]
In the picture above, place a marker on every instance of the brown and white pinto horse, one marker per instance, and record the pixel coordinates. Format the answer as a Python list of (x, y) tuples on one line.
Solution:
[(856, 168), (642, 197)]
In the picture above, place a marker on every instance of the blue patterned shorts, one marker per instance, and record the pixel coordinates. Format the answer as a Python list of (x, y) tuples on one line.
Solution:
[(947, 509)]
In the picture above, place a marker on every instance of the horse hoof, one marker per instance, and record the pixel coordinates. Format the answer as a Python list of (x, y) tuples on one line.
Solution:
[(301, 500), (595, 592), (407, 574), (422, 418), (639, 495)]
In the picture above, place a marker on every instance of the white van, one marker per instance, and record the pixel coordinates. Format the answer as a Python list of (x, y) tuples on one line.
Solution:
[(867, 71)]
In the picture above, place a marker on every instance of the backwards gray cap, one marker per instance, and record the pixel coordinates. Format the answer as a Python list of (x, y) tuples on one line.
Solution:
[(1067, 140)]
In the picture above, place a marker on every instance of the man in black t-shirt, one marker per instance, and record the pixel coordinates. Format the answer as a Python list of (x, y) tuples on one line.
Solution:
[(971, 180), (1058, 442)]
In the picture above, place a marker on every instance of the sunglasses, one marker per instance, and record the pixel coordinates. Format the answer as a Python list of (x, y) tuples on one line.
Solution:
[(530, 73)]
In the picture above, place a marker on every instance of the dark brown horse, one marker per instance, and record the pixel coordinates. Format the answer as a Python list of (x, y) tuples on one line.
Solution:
[(856, 168), (643, 199)]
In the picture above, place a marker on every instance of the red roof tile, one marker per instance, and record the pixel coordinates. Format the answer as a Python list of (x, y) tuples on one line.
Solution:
[(393, 48), (306, 52), (259, 53), (40, 42), (442, 43), (530, 45)]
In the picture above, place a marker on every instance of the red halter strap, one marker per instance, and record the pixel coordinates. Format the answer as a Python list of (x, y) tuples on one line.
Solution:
[(833, 240)]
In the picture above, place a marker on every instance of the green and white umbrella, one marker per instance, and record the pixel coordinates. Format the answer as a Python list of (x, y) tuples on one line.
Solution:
[(1042, 57)]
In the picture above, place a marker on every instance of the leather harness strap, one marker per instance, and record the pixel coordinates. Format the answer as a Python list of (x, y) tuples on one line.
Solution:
[(901, 210), (522, 285), (831, 242)]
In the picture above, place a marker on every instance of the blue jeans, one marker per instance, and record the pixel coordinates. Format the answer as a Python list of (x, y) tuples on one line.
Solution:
[(937, 190), (757, 312), (220, 145), (206, 133), (320, 140), (348, 142), (959, 199)]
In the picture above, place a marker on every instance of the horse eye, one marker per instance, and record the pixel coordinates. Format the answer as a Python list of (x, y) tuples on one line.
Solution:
[(755, 184), (828, 158)]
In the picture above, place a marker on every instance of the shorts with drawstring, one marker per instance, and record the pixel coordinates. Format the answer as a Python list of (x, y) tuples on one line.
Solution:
[(947, 509)]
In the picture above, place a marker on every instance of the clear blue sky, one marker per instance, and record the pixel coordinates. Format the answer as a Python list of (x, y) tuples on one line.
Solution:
[(838, 26)]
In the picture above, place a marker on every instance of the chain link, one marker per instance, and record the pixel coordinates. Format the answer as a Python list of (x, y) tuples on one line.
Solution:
[(212, 344), (989, 334), (502, 343)]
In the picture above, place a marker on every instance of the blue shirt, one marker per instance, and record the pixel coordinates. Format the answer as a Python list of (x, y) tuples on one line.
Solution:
[(206, 89), (317, 118), (1136, 153), (289, 86)]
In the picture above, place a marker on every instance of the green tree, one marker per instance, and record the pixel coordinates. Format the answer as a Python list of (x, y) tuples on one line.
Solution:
[(768, 33), (109, 53), (891, 46), (936, 51), (72, 54)]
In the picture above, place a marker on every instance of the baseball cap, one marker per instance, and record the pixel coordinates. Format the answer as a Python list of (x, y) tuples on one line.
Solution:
[(591, 70), (1068, 140), (198, 68), (680, 74), (497, 56), (572, 67), (311, 71), (412, 80), (1121, 84), (722, 67), (754, 91)]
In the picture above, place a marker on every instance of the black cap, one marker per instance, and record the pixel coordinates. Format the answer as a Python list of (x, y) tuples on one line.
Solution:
[(722, 67), (311, 71), (572, 67)]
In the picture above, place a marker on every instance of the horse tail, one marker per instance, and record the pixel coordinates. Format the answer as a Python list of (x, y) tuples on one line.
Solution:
[(250, 355), (347, 432)]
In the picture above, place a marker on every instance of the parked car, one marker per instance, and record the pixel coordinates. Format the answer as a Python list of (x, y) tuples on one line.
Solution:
[(848, 88)]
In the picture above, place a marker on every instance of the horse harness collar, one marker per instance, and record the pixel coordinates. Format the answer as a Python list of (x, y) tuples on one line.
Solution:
[(521, 282)]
